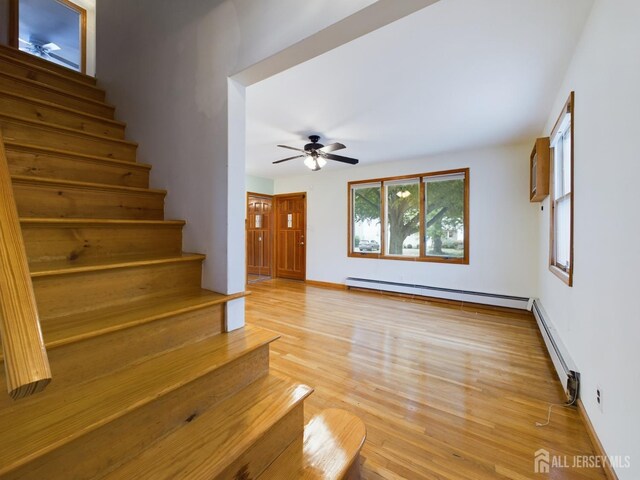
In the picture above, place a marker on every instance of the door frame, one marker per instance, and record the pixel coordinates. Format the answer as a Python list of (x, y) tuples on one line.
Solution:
[(275, 242), (14, 28), (271, 233)]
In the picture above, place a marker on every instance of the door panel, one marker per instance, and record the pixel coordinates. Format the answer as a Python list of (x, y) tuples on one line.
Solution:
[(259, 235), (291, 251)]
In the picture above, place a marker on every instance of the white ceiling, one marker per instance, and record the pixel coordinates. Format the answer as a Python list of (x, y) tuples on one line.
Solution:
[(459, 74)]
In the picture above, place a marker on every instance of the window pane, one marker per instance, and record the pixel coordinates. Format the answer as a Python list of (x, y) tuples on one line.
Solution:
[(366, 218), (562, 234), (402, 236), (566, 161), (444, 225)]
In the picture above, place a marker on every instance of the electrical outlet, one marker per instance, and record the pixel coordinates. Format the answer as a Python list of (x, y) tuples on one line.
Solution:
[(599, 397)]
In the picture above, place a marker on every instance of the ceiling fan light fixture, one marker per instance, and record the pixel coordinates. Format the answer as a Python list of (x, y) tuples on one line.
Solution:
[(403, 194), (314, 163)]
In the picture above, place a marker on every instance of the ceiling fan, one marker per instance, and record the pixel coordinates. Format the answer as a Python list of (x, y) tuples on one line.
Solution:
[(45, 50), (317, 154)]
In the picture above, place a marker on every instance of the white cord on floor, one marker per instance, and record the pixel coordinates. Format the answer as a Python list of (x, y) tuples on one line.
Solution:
[(551, 405)]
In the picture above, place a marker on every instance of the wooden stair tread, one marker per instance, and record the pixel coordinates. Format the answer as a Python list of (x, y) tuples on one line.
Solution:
[(72, 131), (26, 69), (11, 52), (57, 90), (68, 153), (86, 185), (68, 414), (206, 446), (78, 327), (331, 444), (45, 269), (63, 108)]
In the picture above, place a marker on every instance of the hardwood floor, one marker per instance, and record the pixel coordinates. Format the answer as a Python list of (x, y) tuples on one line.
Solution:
[(445, 392)]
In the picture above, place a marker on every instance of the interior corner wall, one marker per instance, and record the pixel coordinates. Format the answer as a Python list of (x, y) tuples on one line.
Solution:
[(166, 65), (90, 7), (503, 229), (598, 318)]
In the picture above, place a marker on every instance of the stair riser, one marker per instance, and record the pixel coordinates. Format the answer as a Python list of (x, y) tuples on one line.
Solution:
[(79, 245), (59, 295), (99, 451), (51, 137), (20, 86), (10, 52), (37, 111), (37, 75), (54, 201), (130, 344), (25, 161), (255, 460)]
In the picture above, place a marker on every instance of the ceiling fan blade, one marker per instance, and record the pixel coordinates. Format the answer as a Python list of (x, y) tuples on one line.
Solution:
[(292, 148), (332, 148), (287, 159), (340, 158), (52, 47), (25, 42)]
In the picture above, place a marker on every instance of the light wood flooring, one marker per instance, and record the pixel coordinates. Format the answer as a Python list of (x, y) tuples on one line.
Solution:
[(446, 392)]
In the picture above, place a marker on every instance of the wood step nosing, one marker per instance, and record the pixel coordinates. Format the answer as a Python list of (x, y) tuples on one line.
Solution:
[(44, 69), (142, 320), (133, 406), (53, 151), (82, 222), (71, 270), (58, 90), (64, 108), (46, 181), (68, 130)]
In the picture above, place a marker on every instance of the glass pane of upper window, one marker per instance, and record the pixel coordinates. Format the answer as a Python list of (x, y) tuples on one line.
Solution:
[(444, 219), (402, 236), (51, 30), (566, 160), (562, 233), (366, 218)]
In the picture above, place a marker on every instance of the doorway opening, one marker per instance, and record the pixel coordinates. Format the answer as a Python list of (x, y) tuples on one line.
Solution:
[(55, 30)]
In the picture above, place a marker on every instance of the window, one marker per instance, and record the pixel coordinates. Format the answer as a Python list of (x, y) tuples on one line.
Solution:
[(365, 232), (444, 220), (561, 258), (402, 217), (421, 217)]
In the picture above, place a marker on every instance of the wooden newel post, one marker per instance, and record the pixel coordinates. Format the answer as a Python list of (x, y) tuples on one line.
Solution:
[(25, 357)]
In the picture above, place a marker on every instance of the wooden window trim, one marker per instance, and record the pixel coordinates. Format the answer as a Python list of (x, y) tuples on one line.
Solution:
[(422, 257), (565, 275)]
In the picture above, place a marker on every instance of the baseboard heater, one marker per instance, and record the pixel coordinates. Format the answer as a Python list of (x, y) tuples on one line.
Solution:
[(566, 369), (521, 303)]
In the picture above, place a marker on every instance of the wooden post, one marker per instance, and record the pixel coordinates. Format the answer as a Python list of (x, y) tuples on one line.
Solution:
[(25, 357)]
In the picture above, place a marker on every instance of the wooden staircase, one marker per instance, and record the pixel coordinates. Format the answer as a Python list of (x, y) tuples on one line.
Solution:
[(146, 382)]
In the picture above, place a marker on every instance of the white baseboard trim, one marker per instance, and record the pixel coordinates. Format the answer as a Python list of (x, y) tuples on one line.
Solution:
[(493, 299)]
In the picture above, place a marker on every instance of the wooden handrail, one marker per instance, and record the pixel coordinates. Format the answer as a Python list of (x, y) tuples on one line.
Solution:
[(25, 356)]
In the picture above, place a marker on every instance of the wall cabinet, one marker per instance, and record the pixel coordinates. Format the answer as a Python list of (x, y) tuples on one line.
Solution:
[(539, 170)]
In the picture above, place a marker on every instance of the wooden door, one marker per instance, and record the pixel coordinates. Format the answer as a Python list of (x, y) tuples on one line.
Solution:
[(259, 235), (291, 244)]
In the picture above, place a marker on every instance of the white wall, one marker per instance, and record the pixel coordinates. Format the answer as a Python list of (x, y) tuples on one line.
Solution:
[(598, 318), (166, 65), (503, 229), (259, 185)]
